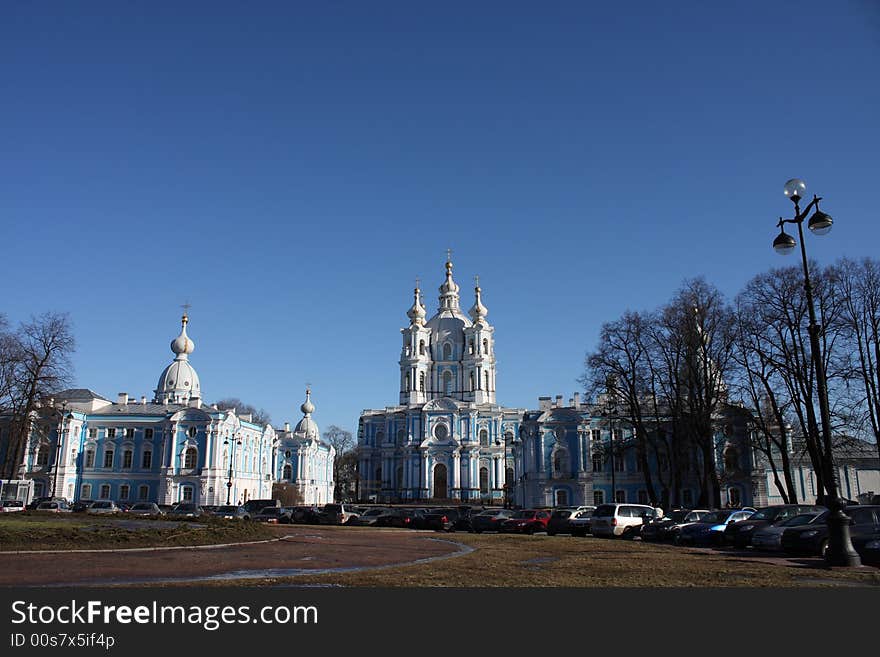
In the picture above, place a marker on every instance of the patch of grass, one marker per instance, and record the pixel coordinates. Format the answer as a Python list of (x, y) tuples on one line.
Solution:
[(542, 561), (39, 532)]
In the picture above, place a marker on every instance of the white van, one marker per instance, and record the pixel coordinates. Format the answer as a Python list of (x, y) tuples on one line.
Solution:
[(624, 520)]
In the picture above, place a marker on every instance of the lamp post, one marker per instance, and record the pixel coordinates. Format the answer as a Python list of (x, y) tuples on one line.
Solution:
[(840, 549), (226, 443), (58, 441)]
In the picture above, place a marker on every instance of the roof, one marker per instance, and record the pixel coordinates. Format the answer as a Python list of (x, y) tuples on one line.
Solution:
[(79, 395)]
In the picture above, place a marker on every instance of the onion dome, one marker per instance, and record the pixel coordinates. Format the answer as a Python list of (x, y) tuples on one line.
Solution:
[(307, 427), (182, 346), (179, 382), (449, 290), (478, 311), (417, 312)]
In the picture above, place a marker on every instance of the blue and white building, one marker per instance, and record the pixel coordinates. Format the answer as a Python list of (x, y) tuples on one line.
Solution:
[(173, 448)]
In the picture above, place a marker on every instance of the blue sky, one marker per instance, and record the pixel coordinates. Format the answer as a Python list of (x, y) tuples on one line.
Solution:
[(290, 168)]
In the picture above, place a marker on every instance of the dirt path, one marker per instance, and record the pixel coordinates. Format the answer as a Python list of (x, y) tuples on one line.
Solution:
[(301, 548)]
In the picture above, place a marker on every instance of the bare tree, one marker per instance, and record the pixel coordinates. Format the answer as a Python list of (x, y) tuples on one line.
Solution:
[(259, 416), (860, 283), (39, 366), (345, 461)]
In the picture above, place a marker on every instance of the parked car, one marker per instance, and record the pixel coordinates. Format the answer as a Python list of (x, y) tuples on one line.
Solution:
[(146, 509), (186, 510), (81, 506), (582, 523), (710, 529), (166, 508), (37, 501), (54, 506), (740, 533), (103, 507), (489, 520), (441, 519), (527, 521), (560, 519), (231, 512), (253, 507), (769, 537), (306, 515), (339, 514), (868, 547), (666, 528), (370, 517), (11, 506), (813, 540), (624, 520), (276, 515)]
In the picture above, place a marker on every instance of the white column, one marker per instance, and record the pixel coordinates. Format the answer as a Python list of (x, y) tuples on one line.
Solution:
[(427, 476), (456, 470)]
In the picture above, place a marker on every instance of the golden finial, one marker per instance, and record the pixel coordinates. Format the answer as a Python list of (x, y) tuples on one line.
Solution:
[(186, 306)]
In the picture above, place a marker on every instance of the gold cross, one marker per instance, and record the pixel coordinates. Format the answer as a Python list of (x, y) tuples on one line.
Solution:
[(448, 255)]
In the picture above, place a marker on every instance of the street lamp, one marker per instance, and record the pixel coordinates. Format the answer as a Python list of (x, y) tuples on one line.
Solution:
[(840, 549), (226, 443)]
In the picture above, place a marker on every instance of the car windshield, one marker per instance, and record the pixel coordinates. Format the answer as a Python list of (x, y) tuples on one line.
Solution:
[(185, 507), (694, 516), (716, 517), (491, 512), (605, 510), (770, 513), (523, 514), (584, 514), (803, 519)]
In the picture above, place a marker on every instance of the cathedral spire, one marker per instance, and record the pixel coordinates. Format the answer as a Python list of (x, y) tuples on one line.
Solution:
[(449, 289), (182, 345), (478, 311), (417, 312)]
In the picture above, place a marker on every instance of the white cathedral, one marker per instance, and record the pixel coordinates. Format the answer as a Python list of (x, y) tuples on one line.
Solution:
[(447, 438)]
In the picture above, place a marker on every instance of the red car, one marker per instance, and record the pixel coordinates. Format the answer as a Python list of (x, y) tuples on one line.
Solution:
[(527, 521)]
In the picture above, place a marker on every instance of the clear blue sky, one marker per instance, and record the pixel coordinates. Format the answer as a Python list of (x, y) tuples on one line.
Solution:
[(290, 168)]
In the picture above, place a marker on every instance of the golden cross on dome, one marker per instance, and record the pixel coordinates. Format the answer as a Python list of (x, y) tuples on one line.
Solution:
[(448, 255), (418, 282), (477, 280), (186, 306)]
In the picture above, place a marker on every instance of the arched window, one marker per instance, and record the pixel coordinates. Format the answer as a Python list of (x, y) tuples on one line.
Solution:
[(127, 457), (471, 377), (108, 458), (407, 385), (485, 345), (471, 346), (105, 492), (86, 492), (288, 472), (447, 382), (42, 455), (421, 347), (401, 436), (421, 382), (406, 350), (561, 497), (143, 492), (441, 431), (484, 437), (123, 491), (487, 380), (189, 458), (90, 457), (484, 481), (447, 351), (380, 437)]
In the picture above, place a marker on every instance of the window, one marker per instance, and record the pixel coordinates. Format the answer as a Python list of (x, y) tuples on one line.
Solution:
[(111, 433), (93, 433), (380, 437), (562, 497), (471, 377), (596, 434), (421, 347), (148, 434), (618, 462), (441, 431), (486, 345), (43, 456), (733, 496), (147, 460), (73, 457), (486, 376), (643, 497), (597, 462), (447, 382), (484, 481), (401, 436), (508, 477), (108, 458), (90, 458), (484, 437), (471, 346), (421, 382), (406, 385), (126, 458), (129, 433), (560, 463), (186, 493), (123, 491), (447, 351), (406, 350), (86, 492), (288, 472), (620, 496), (598, 497), (105, 491), (143, 492)]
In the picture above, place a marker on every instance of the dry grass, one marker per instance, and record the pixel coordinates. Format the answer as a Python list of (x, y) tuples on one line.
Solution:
[(561, 561), (25, 531)]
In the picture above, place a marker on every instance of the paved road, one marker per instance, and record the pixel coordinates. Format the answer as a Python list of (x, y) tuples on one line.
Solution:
[(300, 548)]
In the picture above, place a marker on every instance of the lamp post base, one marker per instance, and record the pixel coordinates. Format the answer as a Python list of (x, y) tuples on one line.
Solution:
[(840, 548)]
